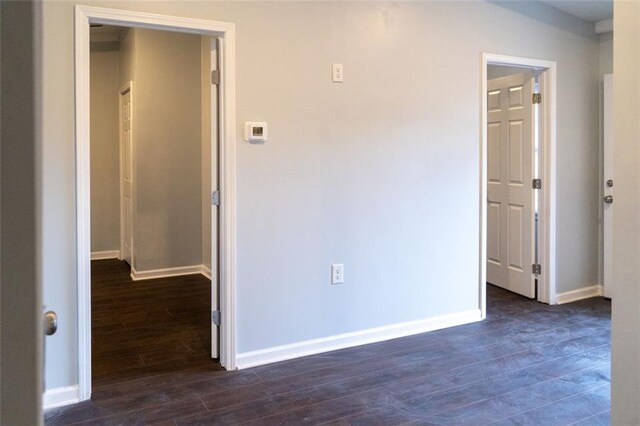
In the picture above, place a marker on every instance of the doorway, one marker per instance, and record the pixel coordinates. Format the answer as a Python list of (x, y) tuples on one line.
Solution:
[(511, 167), (222, 134), (169, 279), (517, 206)]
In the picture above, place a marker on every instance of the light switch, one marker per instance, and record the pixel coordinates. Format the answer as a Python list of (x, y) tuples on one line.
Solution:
[(338, 73), (337, 273)]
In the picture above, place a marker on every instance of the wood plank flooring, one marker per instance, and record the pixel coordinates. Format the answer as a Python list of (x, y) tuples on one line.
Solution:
[(147, 327), (526, 364)]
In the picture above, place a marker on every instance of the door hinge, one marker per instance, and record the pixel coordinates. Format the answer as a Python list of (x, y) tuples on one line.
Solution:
[(215, 317), (215, 198), (537, 184), (537, 98), (215, 77), (536, 269)]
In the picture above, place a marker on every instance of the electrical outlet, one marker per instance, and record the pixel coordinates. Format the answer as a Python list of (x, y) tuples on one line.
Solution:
[(337, 273)]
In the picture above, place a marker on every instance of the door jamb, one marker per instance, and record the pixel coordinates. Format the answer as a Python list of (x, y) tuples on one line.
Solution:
[(84, 15), (547, 217)]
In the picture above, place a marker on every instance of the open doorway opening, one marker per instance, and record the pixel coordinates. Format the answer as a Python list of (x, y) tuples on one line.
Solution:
[(222, 134), (518, 214), (518, 177), (154, 233), (512, 179)]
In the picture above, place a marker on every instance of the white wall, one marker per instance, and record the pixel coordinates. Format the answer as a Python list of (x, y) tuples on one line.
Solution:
[(105, 152), (379, 173), (168, 226), (605, 67), (126, 65), (497, 71), (606, 53), (626, 220), (166, 70), (166, 234)]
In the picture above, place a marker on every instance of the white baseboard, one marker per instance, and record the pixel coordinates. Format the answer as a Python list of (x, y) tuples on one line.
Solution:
[(59, 397), (347, 340), (108, 254), (579, 294), (169, 272), (206, 272)]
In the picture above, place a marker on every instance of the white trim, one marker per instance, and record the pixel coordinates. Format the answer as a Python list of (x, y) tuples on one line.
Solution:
[(579, 294), (227, 210), (547, 218), (205, 271), (226, 31), (482, 266), (347, 340), (59, 397), (107, 254), (153, 274), (83, 202)]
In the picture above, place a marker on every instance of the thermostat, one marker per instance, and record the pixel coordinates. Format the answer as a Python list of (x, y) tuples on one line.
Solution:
[(255, 132)]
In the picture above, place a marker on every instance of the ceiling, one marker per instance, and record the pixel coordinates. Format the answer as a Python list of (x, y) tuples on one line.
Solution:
[(587, 10)]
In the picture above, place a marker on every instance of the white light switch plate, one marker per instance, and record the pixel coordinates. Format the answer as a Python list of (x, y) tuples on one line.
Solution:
[(338, 73), (337, 273)]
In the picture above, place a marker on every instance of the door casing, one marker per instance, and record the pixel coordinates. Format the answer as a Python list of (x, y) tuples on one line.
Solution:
[(547, 199), (85, 15)]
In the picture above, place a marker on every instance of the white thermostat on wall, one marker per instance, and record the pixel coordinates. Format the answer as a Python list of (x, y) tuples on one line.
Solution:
[(255, 132)]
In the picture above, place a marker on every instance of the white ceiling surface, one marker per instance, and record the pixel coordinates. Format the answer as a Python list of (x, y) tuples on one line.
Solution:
[(587, 10)]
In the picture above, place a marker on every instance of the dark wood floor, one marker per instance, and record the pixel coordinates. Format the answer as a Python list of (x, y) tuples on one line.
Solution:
[(527, 364), (147, 327)]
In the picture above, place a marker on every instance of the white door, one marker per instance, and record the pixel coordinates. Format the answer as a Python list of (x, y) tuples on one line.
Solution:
[(126, 174), (510, 215), (607, 213)]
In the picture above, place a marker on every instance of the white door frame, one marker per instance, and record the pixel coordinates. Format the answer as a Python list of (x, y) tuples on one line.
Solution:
[(84, 15), (547, 217)]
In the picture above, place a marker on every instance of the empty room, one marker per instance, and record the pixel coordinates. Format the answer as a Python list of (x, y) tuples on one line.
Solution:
[(320, 212)]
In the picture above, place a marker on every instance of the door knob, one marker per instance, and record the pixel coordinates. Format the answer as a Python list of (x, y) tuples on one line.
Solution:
[(50, 323), (608, 199)]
